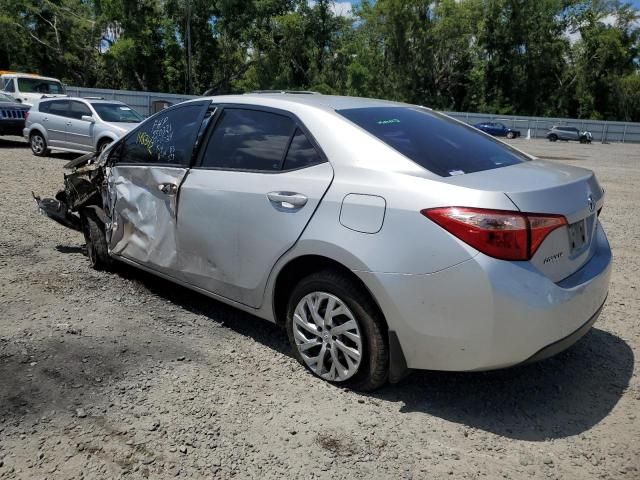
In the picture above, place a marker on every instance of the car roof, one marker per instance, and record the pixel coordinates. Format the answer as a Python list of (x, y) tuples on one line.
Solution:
[(285, 100), (98, 100), (86, 100), (30, 75)]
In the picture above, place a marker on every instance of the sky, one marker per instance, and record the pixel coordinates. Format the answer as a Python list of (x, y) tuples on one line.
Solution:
[(344, 8)]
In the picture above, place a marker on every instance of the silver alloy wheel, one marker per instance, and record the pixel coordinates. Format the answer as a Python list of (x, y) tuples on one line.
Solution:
[(37, 144), (327, 336)]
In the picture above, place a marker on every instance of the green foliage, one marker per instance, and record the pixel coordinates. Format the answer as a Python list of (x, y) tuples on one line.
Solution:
[(548, 57)]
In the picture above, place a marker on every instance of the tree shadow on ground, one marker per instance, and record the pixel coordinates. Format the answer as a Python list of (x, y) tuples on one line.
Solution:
[(67, 368), (17, 142), (68, 156), (11, 143), (240, 322), (80, 249)]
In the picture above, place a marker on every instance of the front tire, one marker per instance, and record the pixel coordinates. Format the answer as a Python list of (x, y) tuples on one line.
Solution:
[(511, 135), (336, 331), (102, 145), (94, 236), (38, 144), (553, 138)]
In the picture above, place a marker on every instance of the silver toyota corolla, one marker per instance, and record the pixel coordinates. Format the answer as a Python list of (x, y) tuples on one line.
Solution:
[(383, 236)]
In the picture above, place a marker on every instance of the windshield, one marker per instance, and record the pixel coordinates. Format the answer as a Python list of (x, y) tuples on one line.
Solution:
[(38, 85), (116, 112), (7, 98), (435, 142)]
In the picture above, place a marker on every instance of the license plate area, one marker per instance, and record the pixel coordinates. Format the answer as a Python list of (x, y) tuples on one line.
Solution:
[(577, 236)]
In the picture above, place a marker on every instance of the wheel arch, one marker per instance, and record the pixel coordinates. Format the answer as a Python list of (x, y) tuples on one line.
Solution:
[(299, 267), (39, 129), (104, 137)]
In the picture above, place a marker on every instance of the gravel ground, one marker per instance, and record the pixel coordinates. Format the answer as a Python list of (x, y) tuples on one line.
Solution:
[(124, 375)]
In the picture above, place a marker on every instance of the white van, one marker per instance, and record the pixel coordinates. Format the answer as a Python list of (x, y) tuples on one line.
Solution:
[(28, 88)]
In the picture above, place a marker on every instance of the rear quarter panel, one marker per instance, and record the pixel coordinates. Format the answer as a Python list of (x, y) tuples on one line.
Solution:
[(407, 242)]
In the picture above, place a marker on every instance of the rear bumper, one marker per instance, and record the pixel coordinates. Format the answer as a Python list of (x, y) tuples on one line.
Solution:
[(484, 313), (566, 342)]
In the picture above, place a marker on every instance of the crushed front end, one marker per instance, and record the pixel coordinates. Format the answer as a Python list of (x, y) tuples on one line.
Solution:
[(83, 189)]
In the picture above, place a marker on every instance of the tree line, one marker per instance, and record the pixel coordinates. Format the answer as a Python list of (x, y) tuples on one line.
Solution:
[(571, 58)]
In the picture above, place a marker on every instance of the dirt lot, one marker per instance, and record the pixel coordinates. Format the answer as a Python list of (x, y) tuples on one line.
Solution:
[(123, 375)]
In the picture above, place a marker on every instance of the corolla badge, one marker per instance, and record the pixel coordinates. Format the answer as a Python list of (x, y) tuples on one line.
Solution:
[(552, 258), (591, 203)]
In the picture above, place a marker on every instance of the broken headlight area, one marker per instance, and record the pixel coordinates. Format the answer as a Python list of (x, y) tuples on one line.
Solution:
[(82, 190)]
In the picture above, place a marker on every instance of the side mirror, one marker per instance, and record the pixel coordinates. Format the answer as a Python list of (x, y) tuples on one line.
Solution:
[(88, 118)]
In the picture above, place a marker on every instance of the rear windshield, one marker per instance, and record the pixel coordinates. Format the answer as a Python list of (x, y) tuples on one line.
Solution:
[(116, 112), (37, 85), (435, 142)]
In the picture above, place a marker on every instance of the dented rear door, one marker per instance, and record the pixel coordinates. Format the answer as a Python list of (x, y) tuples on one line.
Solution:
[(259, 181), (143, 186)]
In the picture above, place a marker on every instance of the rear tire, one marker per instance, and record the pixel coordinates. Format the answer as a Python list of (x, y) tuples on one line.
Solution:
[(96, 240), (327, 337), (38, 144), (511, 135)]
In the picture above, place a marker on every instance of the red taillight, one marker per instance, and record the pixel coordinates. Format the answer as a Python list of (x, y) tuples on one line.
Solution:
[(498, 233), (26, 114)]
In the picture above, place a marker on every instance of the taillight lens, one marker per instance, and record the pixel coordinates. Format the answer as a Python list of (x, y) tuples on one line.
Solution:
[(498, 233), (26, 114)]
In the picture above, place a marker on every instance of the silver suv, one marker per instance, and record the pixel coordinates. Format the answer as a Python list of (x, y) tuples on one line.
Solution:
[(77, 124), (568, 133)]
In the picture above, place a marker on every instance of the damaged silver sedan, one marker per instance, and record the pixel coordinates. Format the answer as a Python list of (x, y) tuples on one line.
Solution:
[(382, 236)]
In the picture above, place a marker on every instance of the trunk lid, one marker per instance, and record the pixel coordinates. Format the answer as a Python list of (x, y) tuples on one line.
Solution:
[(540, 186)]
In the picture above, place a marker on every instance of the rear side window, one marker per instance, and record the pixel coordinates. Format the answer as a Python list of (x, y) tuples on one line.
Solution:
[(167, 138), (59, 107), (433, 141), (301, 153), (249, 140), (44, 107)]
